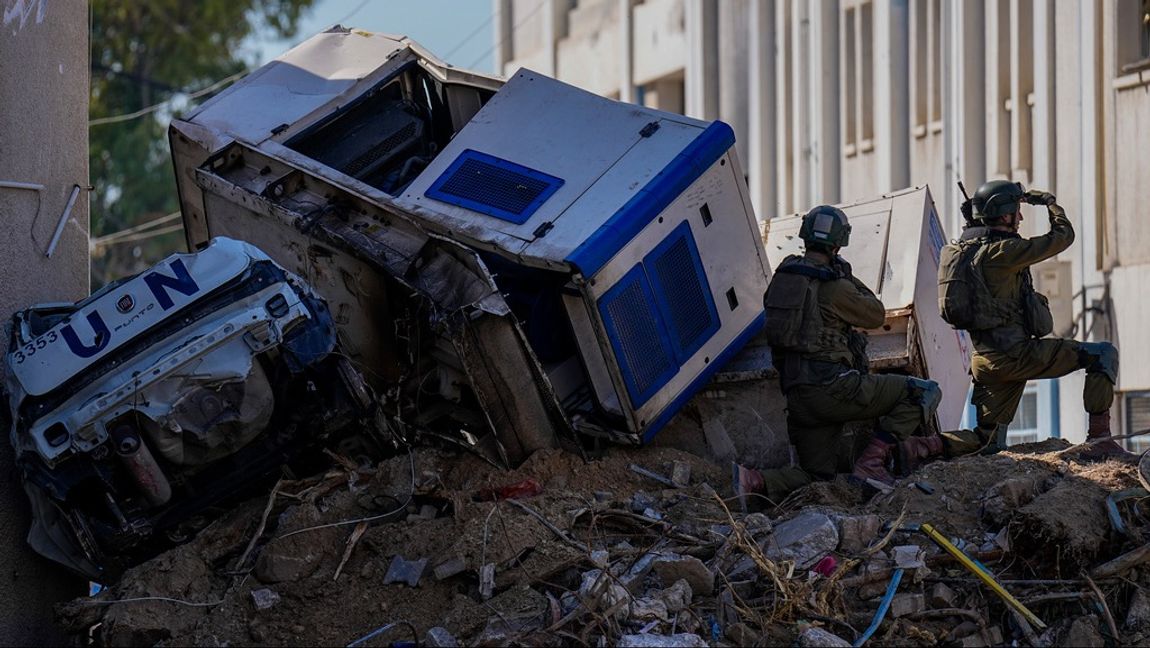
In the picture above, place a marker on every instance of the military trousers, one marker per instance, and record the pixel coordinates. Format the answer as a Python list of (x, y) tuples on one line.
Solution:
[(817, 414), (1000, 377)]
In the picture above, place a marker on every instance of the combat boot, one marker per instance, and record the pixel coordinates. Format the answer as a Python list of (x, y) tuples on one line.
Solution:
[(871, 464), (918, 450), (1101, 446), (745, 481)]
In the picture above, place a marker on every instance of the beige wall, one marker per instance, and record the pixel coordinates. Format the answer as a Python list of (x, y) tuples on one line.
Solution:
[(43, 140)]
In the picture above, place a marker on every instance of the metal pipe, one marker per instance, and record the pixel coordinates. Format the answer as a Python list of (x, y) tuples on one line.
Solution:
[(138, 459), (31, 186), (63, 221)]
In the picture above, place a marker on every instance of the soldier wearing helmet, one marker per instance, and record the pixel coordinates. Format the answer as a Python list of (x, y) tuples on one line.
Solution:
[(814, 305), (1009, 321)]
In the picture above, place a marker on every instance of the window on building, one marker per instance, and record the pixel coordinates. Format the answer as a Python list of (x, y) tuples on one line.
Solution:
[(858, 77), (1137, 406), (1024, 427), (1133, 27)]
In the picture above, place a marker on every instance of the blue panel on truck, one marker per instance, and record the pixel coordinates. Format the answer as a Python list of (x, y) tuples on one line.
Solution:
[(638, 336), (682, 291), (699, 382), (494, 186), (706, 149)]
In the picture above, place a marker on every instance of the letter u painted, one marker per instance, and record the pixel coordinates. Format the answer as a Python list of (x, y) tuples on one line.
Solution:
[(103, 336)]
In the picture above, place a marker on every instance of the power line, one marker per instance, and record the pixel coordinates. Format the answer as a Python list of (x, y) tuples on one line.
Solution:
[(353, 12), (151, 109), (509, 34), (147, 225), (469, 36), (97, 243)]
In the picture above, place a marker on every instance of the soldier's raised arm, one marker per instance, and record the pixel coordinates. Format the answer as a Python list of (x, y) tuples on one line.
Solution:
[(1023, 252)]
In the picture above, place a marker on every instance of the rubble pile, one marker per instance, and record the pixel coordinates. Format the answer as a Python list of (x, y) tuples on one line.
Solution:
[(645, 547)]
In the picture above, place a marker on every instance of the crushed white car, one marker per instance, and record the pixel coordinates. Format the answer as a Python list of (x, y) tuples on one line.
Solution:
[(136, 410)]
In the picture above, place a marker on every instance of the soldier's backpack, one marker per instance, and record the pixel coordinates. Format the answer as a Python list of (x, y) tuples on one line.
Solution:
[(964, 300), (793, 322)]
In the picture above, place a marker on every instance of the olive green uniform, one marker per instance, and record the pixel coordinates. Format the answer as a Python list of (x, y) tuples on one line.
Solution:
[(831, 393), (1007, 356)]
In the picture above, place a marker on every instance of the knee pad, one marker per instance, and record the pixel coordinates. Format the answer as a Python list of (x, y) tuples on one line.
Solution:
[(1099, 357), (926, 392)]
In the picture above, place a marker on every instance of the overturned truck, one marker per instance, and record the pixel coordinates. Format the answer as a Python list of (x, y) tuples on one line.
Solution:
[(516, 264)]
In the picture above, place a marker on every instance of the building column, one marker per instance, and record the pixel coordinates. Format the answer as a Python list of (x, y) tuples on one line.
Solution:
[(762, 121), (1044, 109), (503, 26), (892, 92), (801, 91), (626, 52), (701, 85), (826, 105), (733, 91)]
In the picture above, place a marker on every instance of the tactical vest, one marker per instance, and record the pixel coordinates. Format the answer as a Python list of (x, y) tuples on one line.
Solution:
[(966, 302), (805, 350)]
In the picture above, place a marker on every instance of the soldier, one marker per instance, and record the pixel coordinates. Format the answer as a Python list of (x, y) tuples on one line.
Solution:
[(813, 305), (985, 287)]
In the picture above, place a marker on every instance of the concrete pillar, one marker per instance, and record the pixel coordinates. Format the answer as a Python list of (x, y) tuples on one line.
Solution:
[(502, 21), (825, 138), (733, 37), (892, 94), (1045, 107), (702, 74), (784, 151), (1021, 50), (761, 164), (43, 141), (971, 89), (626, 52), (800, 97)]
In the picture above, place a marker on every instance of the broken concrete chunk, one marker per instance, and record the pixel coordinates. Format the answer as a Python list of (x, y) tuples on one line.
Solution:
[(942, 596), (439, 638), (449, 568), (600, 558), (856, 533), (281, 567), (265, 599), (405, 571), (803, 539), (817, 637), (428, 512), (906, 603), (740, 634), (757, 523), (681, 474), (1083, 632), (652, 514), (610, 592), (649, 609), (909, 557), (661, 641), (676, 597), (673, 567), (641, 501), (487, 581), (1138, 615)]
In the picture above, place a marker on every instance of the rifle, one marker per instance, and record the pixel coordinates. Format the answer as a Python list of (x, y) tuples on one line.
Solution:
[(967, 206)]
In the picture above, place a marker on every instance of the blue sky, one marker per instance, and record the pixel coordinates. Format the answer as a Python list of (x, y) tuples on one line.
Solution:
[(458, 31)]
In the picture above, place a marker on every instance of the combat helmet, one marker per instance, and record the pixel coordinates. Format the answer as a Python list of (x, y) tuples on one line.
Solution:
[(997, 198), (826, 225)]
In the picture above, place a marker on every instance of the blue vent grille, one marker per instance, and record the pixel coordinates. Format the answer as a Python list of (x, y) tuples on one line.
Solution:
[(637, 335), (494, 186), (681, 290)]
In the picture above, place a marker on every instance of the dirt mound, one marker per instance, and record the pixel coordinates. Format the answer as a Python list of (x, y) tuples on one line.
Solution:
[(591, 551)]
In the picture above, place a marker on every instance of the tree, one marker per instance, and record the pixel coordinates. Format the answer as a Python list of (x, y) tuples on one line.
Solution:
[(149, 52)]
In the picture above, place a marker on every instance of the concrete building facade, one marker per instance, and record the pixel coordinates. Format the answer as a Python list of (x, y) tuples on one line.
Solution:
[(43, 175), (835, 100)]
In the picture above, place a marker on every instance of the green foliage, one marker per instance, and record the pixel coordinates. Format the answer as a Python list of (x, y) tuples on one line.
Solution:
[(145, 52)]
